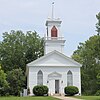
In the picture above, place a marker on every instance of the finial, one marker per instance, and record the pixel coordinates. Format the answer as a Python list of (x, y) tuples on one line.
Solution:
[(52, 10)]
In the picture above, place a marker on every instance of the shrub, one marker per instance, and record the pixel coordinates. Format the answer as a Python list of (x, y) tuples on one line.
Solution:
[(71, 90), (40, 90), (98, 93), (4, 91)]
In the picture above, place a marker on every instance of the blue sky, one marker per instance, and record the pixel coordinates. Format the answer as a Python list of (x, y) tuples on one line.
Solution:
[(78, 18)]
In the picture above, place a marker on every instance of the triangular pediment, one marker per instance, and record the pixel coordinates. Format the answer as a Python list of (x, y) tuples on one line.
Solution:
[(54, 58), (54, 74)]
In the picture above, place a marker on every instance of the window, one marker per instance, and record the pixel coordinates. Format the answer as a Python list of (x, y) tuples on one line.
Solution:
[(40, 78), (69, 78), (54, 32)]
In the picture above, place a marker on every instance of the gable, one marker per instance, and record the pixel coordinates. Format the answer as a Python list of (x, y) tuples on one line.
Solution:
[(54, 74), (54, 58)]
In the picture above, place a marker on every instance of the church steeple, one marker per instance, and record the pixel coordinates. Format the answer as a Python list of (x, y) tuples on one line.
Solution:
[(52, 11), (54, 39)]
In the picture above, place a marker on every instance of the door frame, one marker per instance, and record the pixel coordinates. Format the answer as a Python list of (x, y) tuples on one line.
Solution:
[(57, 83)]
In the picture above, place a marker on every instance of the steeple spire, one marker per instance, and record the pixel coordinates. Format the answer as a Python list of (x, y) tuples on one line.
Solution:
[(54, 39), (52, 11)]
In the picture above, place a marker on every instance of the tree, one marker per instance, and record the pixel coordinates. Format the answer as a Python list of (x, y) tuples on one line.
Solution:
[(34, 46), (17, 49), (3, 83), (88, 54), (98, 78), (16, 80), (98, 23), (98, 30)]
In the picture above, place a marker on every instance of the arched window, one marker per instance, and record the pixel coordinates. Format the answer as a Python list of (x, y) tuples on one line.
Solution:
[(54, 32), (69, 78), (40, 78)]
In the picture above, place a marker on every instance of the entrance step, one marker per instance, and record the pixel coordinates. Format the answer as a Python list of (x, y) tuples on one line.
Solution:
[(57, 94)]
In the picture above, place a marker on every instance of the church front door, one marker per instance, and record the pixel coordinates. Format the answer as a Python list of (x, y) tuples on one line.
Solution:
[(56, 86)]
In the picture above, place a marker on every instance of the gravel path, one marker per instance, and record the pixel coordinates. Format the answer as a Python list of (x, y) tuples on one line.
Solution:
[(65, 98)]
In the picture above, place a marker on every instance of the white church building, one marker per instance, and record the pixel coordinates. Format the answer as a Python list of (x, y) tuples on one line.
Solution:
[(54, 69)]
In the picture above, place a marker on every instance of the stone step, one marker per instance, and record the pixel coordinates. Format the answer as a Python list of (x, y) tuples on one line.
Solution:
[(57, 94)]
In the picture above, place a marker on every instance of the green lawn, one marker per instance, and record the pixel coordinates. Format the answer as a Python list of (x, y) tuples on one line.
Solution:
[(28, 98), (88, 97)]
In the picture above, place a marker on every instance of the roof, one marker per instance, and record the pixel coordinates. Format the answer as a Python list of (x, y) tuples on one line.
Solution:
[(54, 58)]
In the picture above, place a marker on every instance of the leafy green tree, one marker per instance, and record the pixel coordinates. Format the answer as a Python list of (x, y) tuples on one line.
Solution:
[(17, 49), (88, 54), (98, 30), (98, 24), (16, 80), (3, 83), (98, 78), (34, 46)]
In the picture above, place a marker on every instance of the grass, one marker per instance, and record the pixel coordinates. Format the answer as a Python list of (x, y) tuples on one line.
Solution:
[(49, 98), (88, 97), (28, 98)]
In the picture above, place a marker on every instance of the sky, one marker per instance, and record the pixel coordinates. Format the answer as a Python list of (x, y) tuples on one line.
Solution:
[(78, 18)]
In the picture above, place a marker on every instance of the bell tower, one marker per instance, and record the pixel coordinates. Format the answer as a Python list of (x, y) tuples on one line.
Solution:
[(54, 39)]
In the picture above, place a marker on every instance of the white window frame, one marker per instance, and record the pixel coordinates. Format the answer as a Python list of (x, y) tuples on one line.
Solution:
[(69, 78), (40, 78)]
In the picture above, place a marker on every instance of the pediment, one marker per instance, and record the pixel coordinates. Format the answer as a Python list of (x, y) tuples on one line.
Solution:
[(54, 74), (54, 58)]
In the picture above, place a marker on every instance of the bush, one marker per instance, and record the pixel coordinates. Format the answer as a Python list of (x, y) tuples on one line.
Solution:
[(71, 90), (40, 90), (98, 93)]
